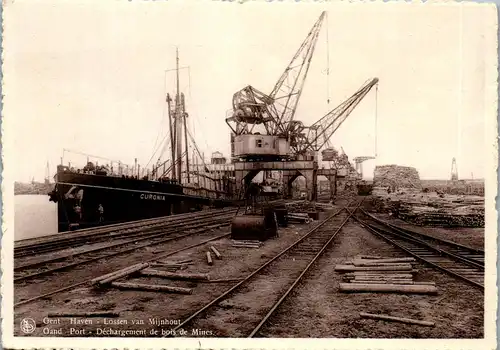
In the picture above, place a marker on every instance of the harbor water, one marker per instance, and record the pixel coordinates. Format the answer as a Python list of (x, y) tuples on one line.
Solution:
[(34, 216)]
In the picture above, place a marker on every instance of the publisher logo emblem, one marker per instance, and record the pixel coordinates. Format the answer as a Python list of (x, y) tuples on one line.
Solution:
[(28, 325)]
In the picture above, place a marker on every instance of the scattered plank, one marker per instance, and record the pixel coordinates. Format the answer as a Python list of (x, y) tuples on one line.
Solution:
[(245, 245), (118, 274), (364, 274), (156, 288), (370, 257), (180, 276), (84, 314), (381, 262), (396, 319), (246, 241), (349, 268), (184, 261), (209, 259), (375, 264), (221, 280), (216, 252), (172, 264), (387, 288), (386, 282)]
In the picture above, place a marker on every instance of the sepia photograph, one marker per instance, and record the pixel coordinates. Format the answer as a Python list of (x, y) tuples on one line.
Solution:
[(292, 171)]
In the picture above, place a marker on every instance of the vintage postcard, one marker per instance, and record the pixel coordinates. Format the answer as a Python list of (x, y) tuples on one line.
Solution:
[(306, 175)]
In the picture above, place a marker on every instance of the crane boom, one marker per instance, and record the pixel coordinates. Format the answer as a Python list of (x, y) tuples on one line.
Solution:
[(286, 93), (274, 112), (320, 132)]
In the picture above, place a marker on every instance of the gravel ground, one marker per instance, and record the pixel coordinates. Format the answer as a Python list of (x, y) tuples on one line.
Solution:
[(315, 309), (318, 309), (142, 305), (36, 286)]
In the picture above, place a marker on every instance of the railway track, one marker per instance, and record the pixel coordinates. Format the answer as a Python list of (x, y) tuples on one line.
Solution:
[(286, 269), (88, 280), (74, 239), (475, 256), (455, 259), (174, 232)]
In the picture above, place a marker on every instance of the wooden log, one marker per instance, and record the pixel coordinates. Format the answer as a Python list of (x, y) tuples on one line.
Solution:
[(381, 262), (379, 273), (245, 246), (247, 241), (216, 252), (370, 257), (222, 280), (349, 268), (179, 276), (387, 288), (184, 261), (209, 259), (405, 275), (171, 265), (157, 288), (118, 274), (382, 279), (84, 314), (102, 277), (396, 319), (382, 282)]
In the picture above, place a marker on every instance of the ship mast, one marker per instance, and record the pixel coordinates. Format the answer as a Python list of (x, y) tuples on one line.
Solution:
[(178, 122)]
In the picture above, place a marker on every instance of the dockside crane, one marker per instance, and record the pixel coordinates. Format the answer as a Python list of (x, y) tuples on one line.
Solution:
[(272, 115)]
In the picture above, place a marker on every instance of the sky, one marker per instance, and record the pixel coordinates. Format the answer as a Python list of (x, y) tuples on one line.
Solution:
[(90, 77)]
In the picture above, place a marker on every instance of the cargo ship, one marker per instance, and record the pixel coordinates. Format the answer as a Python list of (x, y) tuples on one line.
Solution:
[(96, 194)]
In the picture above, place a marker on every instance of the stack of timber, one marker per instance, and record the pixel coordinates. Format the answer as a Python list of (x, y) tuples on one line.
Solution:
[(431, 209), (305, 207), (396, 177), (382, 274), (304, 212), (458, 187)]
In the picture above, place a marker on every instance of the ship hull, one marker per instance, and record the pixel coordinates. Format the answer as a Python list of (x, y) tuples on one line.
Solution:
[(86, 200)]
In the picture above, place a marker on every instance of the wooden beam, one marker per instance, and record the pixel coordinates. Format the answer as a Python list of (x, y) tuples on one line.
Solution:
[(156, 288), (118, 274), (387, 288), (396, 319), (216, 252), (349, 268), (180, 276)]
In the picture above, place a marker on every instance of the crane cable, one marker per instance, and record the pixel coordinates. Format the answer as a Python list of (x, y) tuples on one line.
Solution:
[(376, 117), (327, 63)]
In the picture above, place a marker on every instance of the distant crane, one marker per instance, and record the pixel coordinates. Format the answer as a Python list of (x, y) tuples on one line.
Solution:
[(454, 170), (47, 174), (359, 163)]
